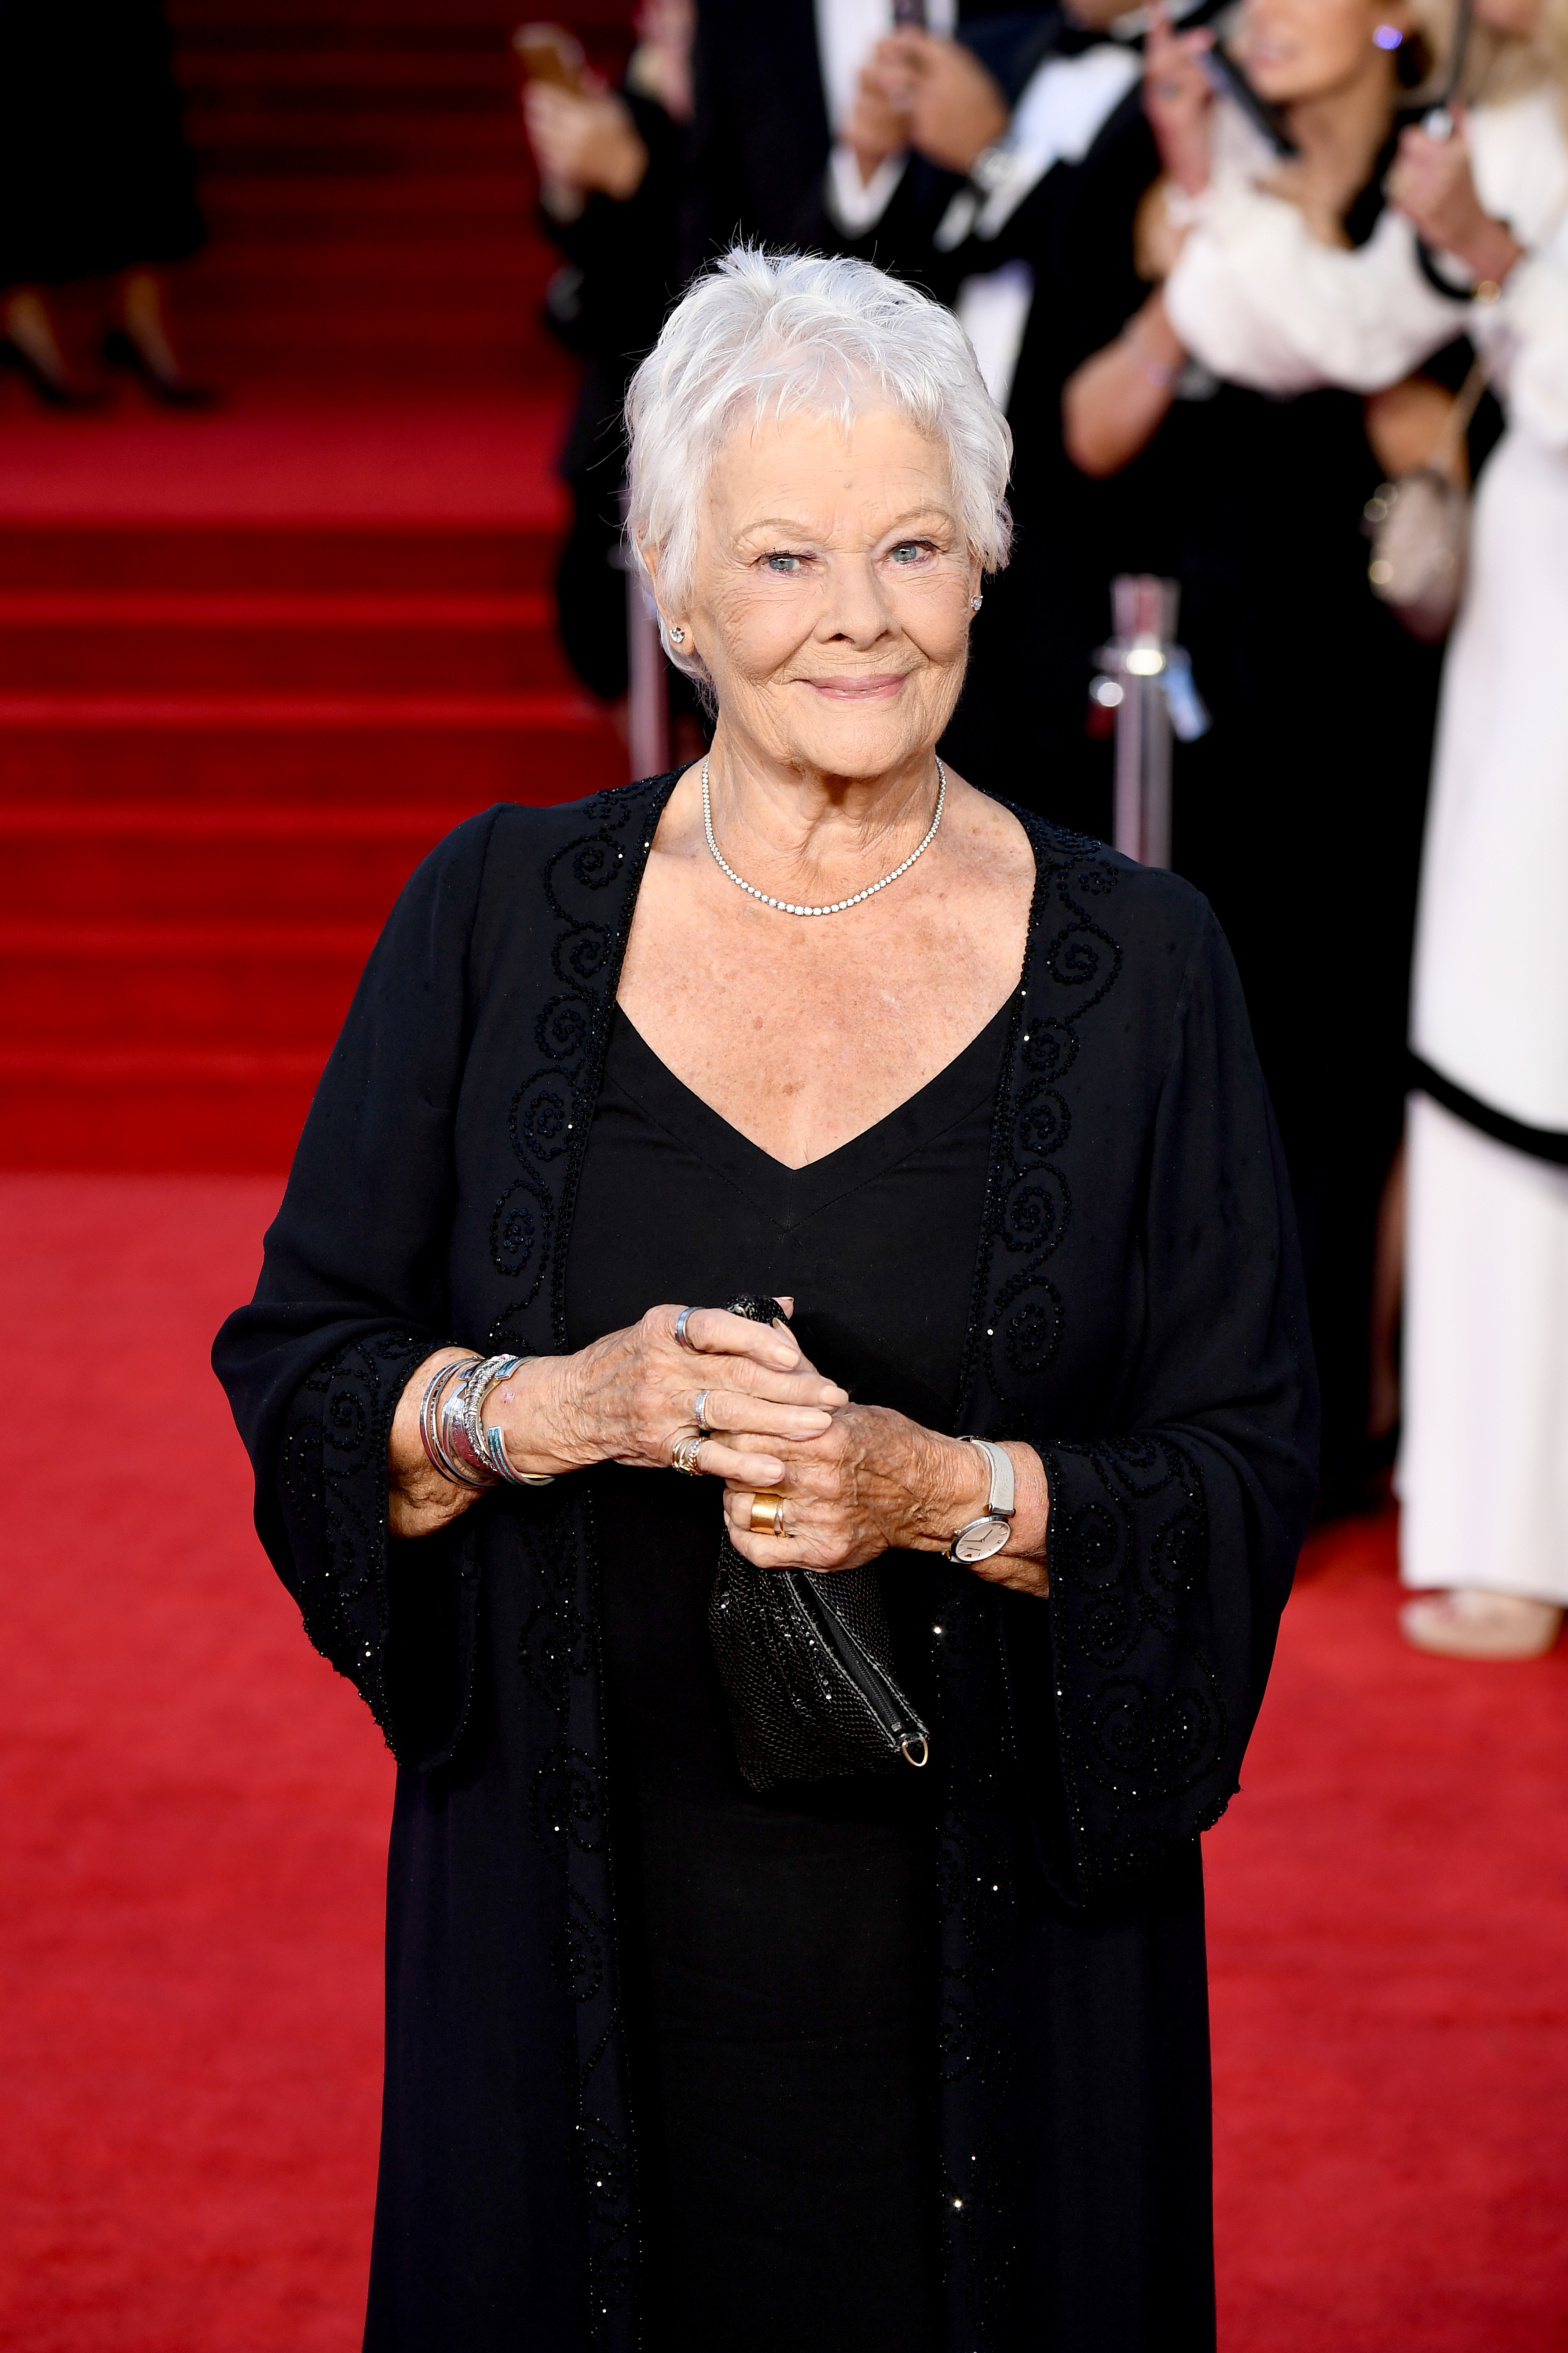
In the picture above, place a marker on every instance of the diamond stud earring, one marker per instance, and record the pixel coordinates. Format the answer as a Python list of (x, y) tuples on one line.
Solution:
[(676, 634), (976, 603)]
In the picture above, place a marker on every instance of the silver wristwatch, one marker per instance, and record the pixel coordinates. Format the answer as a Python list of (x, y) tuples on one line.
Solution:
[(978, 1539)]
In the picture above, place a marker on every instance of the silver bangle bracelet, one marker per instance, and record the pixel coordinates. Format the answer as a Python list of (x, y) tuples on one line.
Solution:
[(433, 1409), (487, 1443), (458, 1417), (495, 1448)]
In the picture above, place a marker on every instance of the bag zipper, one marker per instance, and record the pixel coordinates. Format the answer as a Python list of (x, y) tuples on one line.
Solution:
[(902, 1727)]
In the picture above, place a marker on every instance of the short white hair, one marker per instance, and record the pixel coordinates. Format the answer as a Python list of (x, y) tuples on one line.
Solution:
[(798, 334)]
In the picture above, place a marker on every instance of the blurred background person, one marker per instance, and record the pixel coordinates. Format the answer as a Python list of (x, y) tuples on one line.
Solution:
[(1483, 1465), (611, 165), (1476, 236), (96, 181), (772, 159), (1038, 132), (1300, 814)]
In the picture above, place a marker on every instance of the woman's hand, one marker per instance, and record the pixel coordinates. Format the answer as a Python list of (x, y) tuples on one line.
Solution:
[(876, 1481), (629, 1398), (879, 125), (588, 144), (1178, 101), (940, 95), (1433, 185)]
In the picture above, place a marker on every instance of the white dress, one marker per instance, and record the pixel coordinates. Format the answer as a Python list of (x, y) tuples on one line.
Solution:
[(1483, 1466)]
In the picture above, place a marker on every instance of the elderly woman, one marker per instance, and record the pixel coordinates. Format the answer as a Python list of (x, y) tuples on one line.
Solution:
[(795, 1917)]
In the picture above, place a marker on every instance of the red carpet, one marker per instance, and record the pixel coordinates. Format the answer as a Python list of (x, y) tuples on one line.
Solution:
[(194, 1812)]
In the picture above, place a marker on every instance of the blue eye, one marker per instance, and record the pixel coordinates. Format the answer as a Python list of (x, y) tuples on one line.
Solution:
[(910, 551), (785, 564)]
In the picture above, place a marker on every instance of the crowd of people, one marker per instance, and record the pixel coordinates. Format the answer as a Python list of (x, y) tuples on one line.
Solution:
[(1228, 276)]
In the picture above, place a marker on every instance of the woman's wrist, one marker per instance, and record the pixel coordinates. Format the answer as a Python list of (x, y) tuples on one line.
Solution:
[(1491, 254), (959, 1490), (540, 1418), (420, 1496)]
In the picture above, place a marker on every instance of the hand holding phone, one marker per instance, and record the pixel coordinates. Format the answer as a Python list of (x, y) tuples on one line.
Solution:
[(551, 55), (1178, 99)]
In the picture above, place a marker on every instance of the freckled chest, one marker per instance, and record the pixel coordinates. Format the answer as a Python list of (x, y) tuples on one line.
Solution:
[(802, 1033)]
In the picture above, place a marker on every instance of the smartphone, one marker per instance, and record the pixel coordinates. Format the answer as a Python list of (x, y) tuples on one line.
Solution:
[(1228, 80), (551, 54)]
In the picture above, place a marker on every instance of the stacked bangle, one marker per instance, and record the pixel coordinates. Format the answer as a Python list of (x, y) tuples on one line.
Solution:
[(432, 1436), (453, 1432)]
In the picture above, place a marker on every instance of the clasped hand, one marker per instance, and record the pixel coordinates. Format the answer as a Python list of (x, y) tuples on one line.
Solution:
[(1433, 185), (857, 1479)]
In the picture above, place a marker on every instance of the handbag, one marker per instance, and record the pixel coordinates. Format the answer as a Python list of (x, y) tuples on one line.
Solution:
[(806, 1659), (1419, 524)]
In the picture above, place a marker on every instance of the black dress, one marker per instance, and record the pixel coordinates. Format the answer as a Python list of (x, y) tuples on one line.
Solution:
[(1131, 1309), (781, 1950), (95, 171)]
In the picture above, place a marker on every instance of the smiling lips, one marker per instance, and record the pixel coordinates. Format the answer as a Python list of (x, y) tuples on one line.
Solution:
[(858, 689)]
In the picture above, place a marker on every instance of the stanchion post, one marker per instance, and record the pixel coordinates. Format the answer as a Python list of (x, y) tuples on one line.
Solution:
[(1146, 680)]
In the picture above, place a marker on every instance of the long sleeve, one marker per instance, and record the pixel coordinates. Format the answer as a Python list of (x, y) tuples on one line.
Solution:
[(1259, 302), (349, 1301), (1521, 175), (1173, 1541)]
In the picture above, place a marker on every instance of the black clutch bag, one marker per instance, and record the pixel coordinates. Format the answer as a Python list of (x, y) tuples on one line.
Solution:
[(805, 1657)]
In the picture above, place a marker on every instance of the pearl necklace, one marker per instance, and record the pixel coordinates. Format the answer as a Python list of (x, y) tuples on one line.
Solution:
[(838, 906)]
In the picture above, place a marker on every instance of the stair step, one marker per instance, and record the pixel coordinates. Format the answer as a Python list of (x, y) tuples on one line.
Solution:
[(391, 274), (202, 1111), (461, 753), (168, 862), (331, 22), (84, 642), (278, 140), (425, 350), (196, 558), (417, 204), (179, 983), (427, 77)]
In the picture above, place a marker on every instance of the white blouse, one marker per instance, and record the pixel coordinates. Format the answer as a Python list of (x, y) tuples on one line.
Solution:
[(1255, 299), (1260, 302)]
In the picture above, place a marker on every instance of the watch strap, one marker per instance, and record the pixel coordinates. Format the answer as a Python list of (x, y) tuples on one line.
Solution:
[(1002, 1501)]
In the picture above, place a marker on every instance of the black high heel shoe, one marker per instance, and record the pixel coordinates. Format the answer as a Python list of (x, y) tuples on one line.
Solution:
[(120, 350), (54, 391)]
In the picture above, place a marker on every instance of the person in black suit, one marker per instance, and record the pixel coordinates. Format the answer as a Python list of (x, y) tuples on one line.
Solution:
[(785, 149), (1029, 234)]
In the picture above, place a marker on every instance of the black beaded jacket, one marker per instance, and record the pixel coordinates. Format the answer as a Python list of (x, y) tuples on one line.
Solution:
[(1136, 1316)]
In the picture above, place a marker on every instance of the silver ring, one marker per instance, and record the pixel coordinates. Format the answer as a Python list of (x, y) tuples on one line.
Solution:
[(700, 1413), (681, 1322)]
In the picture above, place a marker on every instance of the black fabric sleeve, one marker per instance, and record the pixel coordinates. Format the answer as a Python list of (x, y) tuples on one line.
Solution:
[(1172, 1546), (351, 1298)]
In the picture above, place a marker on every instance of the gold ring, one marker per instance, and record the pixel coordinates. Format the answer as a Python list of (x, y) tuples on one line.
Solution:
[(683, 1456), (767, 1515)]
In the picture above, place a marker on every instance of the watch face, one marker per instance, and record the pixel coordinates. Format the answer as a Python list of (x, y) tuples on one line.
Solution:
[(980, 1539)]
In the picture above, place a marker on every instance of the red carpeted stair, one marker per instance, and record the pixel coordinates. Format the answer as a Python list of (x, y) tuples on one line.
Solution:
[(254, 663)]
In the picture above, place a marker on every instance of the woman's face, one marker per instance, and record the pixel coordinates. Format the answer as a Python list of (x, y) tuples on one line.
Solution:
[(1296, 50), (830, 597)]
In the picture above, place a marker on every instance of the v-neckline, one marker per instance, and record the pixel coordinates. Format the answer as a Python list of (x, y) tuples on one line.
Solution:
[(792, 1195)]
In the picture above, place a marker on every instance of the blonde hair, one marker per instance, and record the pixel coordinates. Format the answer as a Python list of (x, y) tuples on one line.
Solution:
[(1502, 66), (775, 334)]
